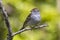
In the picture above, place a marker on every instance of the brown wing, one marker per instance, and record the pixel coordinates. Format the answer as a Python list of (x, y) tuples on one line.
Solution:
[(27, 19)]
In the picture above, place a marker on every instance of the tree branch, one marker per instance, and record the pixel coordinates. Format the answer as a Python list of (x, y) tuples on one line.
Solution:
[(6, 21), (26, 29)]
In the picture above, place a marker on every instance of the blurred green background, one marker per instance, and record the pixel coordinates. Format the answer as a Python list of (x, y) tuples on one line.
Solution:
[(21, 9)]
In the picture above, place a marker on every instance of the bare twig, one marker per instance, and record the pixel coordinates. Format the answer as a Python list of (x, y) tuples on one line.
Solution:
[(6, 20), (26, 29), (20, 31)]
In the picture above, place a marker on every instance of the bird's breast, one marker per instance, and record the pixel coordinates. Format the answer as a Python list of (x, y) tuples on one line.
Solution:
[(36, 17)]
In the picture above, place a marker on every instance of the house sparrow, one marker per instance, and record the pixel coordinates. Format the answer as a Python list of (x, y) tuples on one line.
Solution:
[(32, 19)]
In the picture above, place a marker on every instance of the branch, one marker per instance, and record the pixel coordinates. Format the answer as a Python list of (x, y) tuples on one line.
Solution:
[(6, 20), (26, 29)]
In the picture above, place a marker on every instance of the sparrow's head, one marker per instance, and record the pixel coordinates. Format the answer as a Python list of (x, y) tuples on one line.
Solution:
[(35, 10)]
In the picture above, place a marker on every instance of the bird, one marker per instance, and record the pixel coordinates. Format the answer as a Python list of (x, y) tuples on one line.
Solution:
[(32, 19)]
